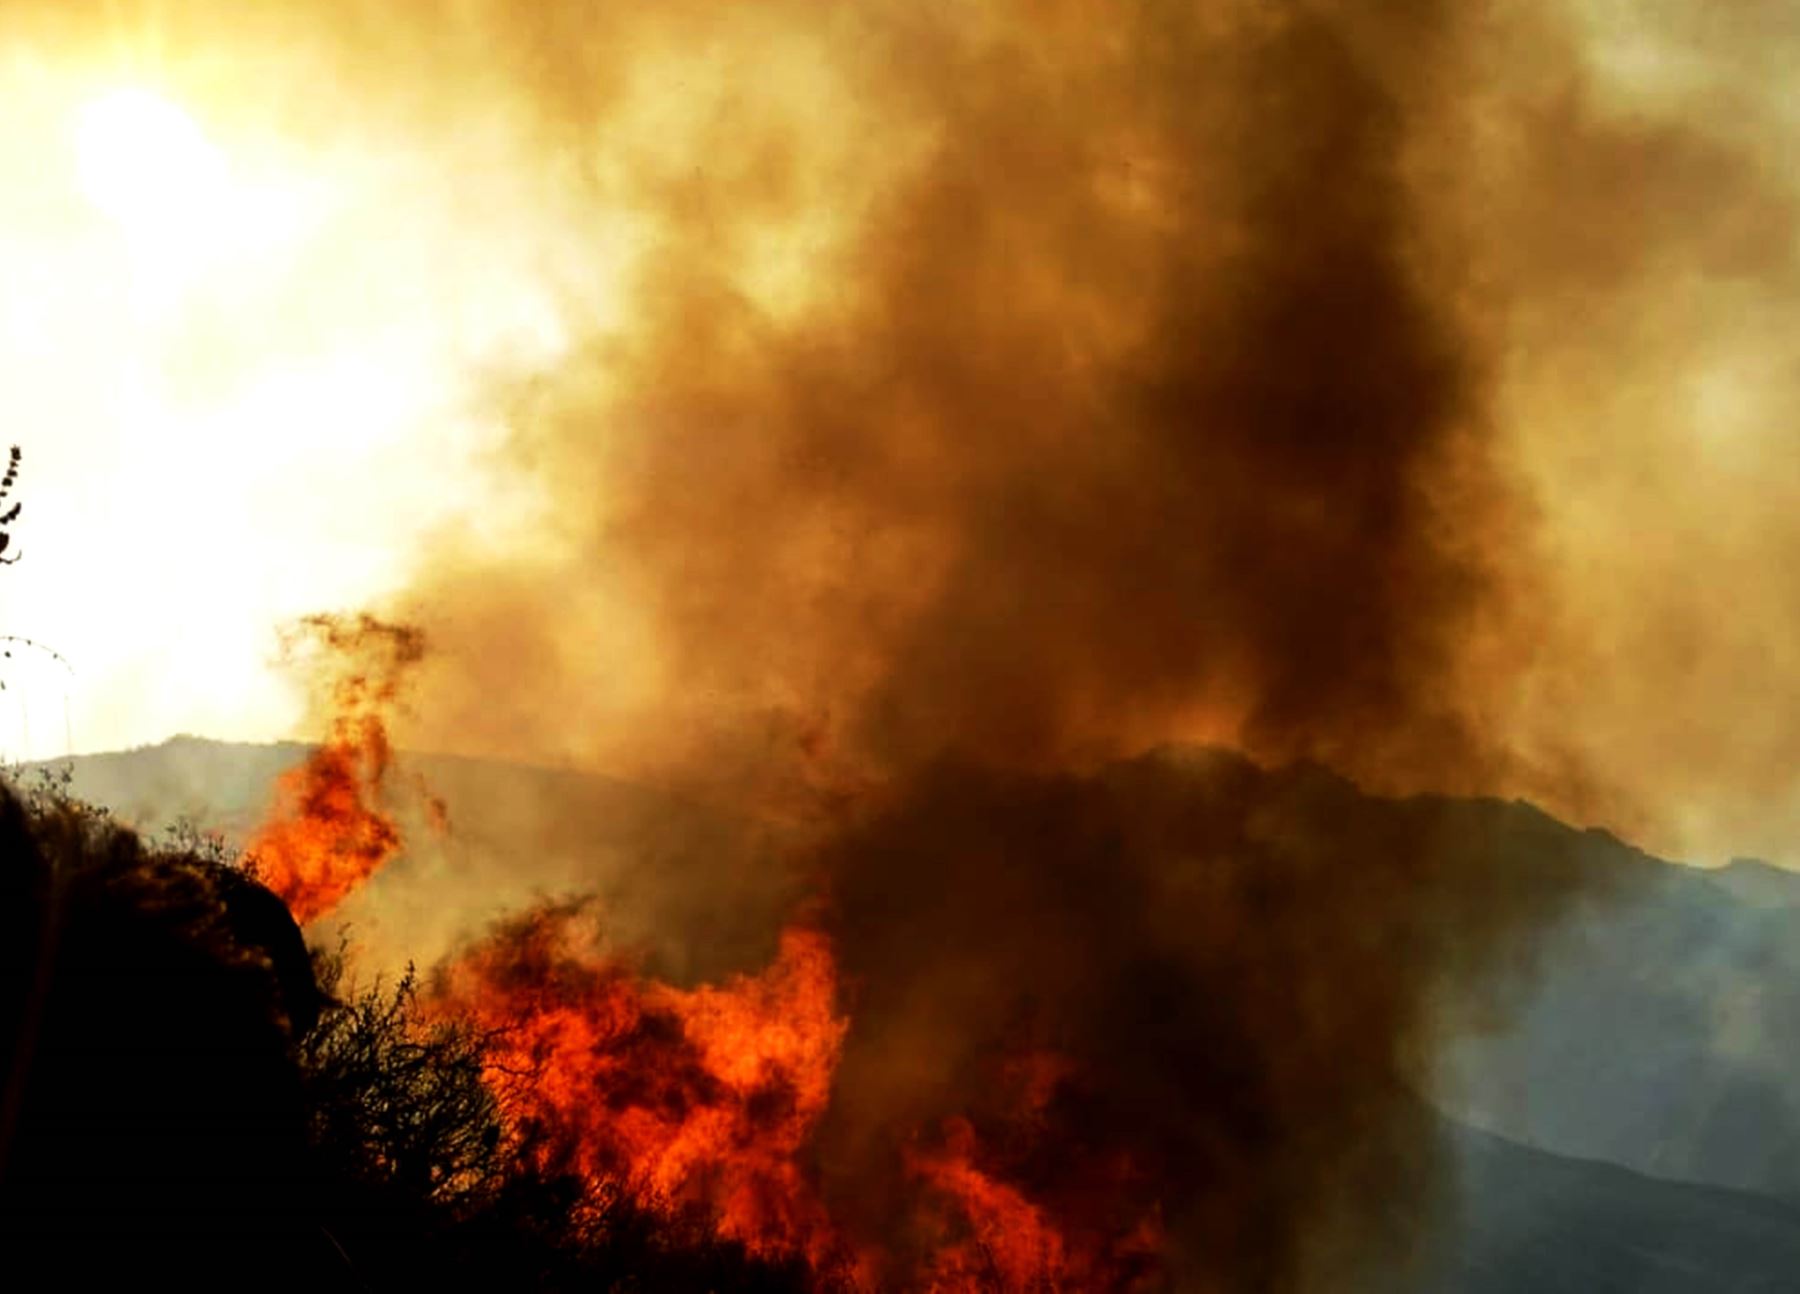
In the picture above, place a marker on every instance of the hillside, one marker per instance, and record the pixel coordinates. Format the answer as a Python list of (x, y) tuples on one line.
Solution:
[(1536, 1223), (1662, 1035), (1642, 1061), (518, 833)]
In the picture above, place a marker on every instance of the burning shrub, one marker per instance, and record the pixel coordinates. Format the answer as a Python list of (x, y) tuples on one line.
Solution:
[(166, 1089), (426, 1181), (399, 1101)]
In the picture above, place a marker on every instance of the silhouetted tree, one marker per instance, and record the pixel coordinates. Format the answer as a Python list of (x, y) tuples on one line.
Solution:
[(9, 515)]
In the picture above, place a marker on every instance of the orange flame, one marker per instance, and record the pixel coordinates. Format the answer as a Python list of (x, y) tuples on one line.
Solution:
[(679, 1096), (325, 836), (988, 1234), (1009, 1242), (326, 833), (710, 1098)]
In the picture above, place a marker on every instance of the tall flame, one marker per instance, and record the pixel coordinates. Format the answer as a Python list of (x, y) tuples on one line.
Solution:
[(326, 831), (326, 834)]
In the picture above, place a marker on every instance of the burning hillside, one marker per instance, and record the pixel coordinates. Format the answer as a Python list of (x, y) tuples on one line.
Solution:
[(903, 428), (1173, 422), (1139, 1029)]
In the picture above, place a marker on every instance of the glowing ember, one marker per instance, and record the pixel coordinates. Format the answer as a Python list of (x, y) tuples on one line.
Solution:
[(326, 832)]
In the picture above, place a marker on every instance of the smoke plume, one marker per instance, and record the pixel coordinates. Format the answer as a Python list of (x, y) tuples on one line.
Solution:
[(1133, 406), (1141, 400)]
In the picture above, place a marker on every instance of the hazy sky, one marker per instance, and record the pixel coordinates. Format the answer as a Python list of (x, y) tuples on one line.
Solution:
[(243, 370), (258, 304)]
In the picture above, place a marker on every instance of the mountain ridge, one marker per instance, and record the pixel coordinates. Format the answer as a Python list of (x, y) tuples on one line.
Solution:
[(1644, 1036)]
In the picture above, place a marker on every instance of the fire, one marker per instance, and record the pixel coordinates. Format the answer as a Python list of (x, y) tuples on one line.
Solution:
[(682, 1097), (1009, 1239), (986, 1233), (327, 831), (707, 1101), (710, 1098), (326, 835)]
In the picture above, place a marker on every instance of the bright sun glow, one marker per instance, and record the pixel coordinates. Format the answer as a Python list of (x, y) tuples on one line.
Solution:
[(148, 167), (247, 367)]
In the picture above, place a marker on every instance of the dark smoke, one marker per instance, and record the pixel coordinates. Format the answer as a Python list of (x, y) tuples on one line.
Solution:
[(1130, 409), (1236, 970), (1140, 405)]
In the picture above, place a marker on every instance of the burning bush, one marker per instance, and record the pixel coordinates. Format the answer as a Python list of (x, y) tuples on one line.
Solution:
[(167, 1089)]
